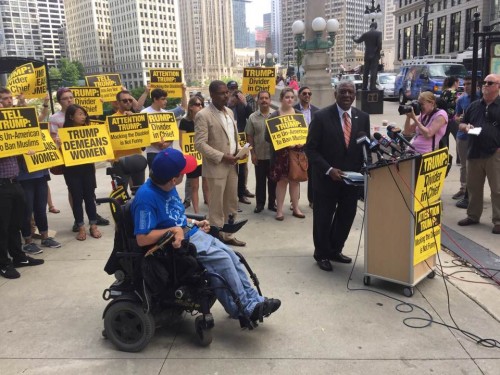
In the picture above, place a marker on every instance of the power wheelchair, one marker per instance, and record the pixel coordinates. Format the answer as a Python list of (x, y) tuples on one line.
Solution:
[(157, 286)]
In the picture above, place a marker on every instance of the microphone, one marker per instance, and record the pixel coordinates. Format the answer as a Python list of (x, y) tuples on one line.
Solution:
[(364, 141), (386, 142), (375, 147), (395, 133)]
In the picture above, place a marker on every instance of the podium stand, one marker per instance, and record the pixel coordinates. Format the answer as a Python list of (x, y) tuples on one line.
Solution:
[(390, 226)]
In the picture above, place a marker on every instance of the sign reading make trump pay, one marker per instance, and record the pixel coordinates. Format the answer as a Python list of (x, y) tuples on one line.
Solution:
[(287, 130), (19, 131), (256, 80)]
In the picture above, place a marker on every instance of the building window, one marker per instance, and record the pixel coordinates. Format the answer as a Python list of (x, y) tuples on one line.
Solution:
[(441, 35), (469, 26), (455, 32), (417, 32), (406, 42)]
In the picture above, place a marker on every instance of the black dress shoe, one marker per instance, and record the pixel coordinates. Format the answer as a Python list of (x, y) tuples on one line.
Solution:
[(101, 221), (341, 258), (272, 208), (258, 209), (244, 200), (325, 265), (264, 309), (249, 195)]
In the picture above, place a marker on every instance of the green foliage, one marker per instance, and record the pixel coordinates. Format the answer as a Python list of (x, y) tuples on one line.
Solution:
[(54, 74), (69, 72), (80, 68)]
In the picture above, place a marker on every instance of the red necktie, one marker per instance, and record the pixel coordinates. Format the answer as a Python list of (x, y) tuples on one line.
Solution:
[(347, 128)]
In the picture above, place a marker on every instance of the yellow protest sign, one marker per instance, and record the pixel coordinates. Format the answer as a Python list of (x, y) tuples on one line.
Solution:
[(188, 148), (430, 178), (259, 79), (19, 131), (110, 85), (27, 80), (49, 157), (163, 127), (428, 188), (242, 140), (129, 132), (287, 130), (97, 122), (427, 232), (85, 144), (89, 98), (169, 80)]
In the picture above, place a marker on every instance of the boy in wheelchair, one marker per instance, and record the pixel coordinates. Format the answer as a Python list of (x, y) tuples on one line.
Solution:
[(157, 209)]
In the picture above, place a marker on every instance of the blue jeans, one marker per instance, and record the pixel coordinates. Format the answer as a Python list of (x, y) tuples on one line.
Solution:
[(35, 194), (218, 258)]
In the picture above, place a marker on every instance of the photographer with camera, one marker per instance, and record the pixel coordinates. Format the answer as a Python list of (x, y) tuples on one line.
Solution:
[(429, 127)]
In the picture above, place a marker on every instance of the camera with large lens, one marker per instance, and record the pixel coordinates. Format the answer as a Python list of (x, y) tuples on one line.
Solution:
[(404, 109)]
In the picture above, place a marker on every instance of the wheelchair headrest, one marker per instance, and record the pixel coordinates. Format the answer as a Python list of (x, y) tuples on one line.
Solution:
[(133, 163)]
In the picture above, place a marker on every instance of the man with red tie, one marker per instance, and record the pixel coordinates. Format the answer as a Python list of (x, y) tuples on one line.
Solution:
[(331, 149)]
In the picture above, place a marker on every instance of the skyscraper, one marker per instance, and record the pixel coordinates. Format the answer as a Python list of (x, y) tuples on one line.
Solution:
[(240, 27), (20, 29), (145, 35), (89, 34), (276, 27), (207, 39), (51, 19)]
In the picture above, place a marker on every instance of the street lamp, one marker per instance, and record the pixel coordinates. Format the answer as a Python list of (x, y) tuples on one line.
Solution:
[(318, 25), (271, 59), (372, 12)]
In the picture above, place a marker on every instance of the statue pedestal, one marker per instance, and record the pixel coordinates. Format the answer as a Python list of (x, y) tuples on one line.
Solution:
[(317, 78), (370, 101)]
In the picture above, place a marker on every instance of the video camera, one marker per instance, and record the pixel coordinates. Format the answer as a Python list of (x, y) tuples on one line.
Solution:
[(404, 109)]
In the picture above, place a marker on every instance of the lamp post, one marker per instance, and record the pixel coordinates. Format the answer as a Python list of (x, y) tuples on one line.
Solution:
[(372, 12), (271, 59), (314, 47)]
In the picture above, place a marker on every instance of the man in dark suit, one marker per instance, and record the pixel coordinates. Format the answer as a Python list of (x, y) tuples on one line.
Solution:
[(331, 148), (373, 46), (304, 105)]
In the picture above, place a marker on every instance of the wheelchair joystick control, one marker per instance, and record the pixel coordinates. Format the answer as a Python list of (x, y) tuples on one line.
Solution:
[(179, 293)]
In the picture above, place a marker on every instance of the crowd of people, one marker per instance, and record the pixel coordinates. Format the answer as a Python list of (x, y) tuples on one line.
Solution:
[(331, 148)]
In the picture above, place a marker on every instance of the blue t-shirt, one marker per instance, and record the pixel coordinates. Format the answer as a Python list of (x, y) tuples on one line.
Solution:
[(154, 208), (462, 104)]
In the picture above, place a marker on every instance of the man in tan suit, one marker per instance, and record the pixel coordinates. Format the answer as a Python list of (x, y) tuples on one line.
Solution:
[(216, 138)]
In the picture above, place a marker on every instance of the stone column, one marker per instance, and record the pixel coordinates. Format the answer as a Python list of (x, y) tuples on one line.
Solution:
[(316, 62)]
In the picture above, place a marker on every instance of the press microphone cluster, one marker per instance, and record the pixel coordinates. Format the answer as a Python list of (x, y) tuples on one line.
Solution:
[(395, 134)]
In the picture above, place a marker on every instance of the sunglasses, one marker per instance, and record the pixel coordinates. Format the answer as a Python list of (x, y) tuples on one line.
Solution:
[(197, 104), (127, 100), (307, 93), (489, 83)]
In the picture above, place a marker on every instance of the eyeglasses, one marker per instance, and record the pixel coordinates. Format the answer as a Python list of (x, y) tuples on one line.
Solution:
[(307, 93), (66, 98), (489, 83), (127, 100), (198, 104)]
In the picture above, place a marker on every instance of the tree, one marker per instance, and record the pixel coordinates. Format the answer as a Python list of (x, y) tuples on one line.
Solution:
[(69, 72), (81, 69)]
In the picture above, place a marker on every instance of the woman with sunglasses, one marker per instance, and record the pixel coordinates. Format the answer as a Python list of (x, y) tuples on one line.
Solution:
[(186, 125), (429, 127), (81, 180)]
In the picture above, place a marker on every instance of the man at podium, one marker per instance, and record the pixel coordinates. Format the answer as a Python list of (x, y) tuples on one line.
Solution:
[(331, 148)]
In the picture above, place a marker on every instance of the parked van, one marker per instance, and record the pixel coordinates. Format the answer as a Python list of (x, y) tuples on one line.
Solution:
[(426, 73)]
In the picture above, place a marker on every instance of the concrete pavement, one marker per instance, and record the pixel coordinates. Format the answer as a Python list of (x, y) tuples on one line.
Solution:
[(51, 318)]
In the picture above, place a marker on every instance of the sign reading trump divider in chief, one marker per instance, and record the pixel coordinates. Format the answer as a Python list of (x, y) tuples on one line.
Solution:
[(256, 80)]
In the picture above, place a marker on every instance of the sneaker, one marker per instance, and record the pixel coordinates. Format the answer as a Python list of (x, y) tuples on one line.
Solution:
[(32, 248), (462, 203), (458, 194), (28, 262), (50, 242), (9, 272), (101, 221)]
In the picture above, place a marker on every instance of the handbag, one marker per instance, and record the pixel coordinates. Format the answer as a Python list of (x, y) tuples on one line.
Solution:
[(297, 166), (57, 170)]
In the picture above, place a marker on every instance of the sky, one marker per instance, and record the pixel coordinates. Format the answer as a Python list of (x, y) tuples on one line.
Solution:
[(255, 10)]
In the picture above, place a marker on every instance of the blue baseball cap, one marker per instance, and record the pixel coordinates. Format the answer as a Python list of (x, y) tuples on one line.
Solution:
[(171, 163)]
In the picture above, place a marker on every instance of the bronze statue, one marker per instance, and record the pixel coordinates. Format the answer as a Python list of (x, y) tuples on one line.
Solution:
[(373, 46)]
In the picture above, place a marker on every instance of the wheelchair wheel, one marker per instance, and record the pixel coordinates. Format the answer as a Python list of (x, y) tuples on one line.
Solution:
[(128, 327), (203, 333)]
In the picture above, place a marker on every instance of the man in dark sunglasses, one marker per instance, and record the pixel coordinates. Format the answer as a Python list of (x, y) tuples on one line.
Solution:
[(304, 105), (483, 158)]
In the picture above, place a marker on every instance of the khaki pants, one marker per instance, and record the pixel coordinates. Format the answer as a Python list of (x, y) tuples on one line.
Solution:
[(477, 170), (462, 155), (223, 199)]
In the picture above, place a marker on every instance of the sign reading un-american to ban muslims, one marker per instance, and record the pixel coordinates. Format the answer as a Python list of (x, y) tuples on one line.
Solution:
[(49, 157), (129, 131), (169, 80), (89, 98), (287, 130), (85, 144), (19, 131), (256, 80), (110, 85), (163, 127)]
